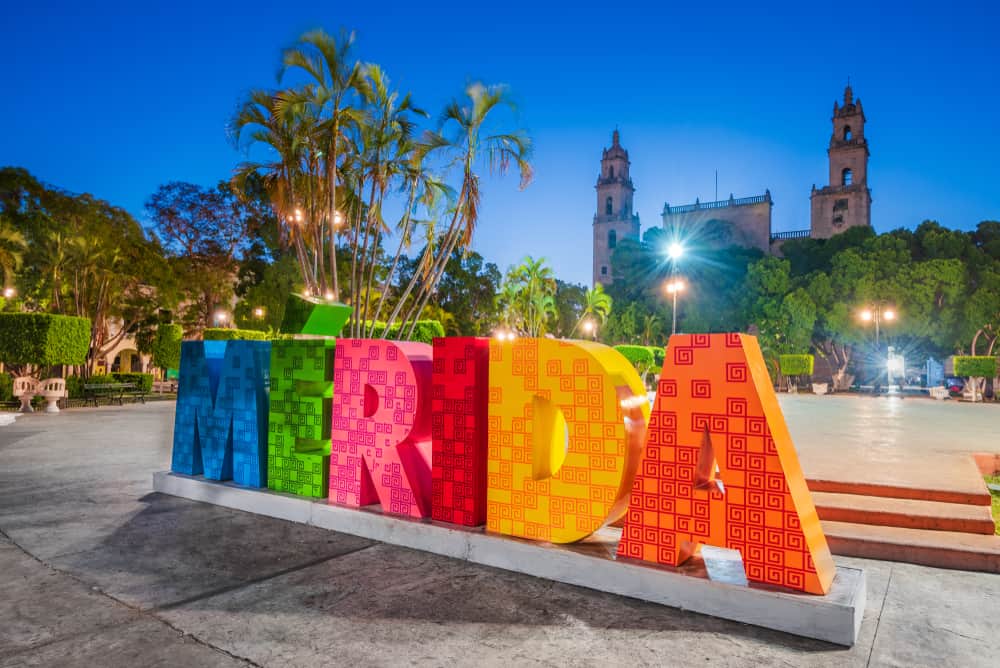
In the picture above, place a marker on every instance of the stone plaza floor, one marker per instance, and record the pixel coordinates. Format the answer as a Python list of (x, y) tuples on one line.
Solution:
[(97, 570)]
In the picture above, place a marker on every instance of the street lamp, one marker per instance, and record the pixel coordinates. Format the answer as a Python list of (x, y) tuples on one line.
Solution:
[(590, 327), (9, 292), (259, 312), (674, 286), (338, 218), (675, 251), (221, 317), (878, 313)]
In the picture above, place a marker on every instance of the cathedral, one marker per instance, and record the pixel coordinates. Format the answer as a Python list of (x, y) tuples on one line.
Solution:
[(746, 221)]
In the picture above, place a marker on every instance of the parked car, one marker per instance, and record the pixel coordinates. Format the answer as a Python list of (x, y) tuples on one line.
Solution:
[(954, 384)]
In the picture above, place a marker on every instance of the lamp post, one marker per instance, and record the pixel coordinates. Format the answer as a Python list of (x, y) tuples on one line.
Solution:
[(674, 286), (590, 328), (221, 318), (259, 312), (877, 313)]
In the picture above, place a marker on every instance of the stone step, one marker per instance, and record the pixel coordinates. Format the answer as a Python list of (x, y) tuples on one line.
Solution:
[(942, 549), (972, 490), (906, 513)]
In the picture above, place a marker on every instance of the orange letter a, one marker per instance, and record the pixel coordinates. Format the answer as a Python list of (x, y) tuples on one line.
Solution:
[(720, 469)]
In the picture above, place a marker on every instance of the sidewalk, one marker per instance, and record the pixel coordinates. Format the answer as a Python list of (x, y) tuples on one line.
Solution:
[(98, 571)]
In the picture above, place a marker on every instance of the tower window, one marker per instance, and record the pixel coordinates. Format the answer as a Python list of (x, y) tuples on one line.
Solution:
[(609, 206), (847, 177), (604, 271), (847, 133), (612, 239), (611, 171)]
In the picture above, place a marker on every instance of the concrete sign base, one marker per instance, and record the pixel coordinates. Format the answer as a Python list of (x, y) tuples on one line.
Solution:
[(712, 585)]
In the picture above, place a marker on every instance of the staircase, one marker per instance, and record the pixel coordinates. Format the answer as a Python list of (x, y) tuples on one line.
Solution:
[(931, 527)]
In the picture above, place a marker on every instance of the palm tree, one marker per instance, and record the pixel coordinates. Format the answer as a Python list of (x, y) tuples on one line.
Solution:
[(650, 327), (287, 132), (12, 247), (335, 82), (463, 134), (596, 303), (527, 296)]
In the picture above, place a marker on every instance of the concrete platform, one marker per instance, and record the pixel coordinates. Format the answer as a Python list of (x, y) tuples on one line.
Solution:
[(714, 586)]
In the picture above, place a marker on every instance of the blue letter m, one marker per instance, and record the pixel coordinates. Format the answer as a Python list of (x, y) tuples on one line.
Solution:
[(220, 428)]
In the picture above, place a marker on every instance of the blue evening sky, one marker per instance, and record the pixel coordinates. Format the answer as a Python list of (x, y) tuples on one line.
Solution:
[(117, 98)]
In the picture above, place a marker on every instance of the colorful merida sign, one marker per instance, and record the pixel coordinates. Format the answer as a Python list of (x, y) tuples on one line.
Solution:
[(535, 438)]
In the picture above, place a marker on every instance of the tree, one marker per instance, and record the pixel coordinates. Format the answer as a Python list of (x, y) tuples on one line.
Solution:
[(206, 233), (467, 293), (12, 247), (527, 297), (465, 137), (596, 303)]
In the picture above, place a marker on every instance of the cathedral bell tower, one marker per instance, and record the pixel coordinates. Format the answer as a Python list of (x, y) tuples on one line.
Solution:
[(615, 218), (847, 201)]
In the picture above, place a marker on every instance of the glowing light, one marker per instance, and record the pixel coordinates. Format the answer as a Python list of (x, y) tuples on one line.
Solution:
[(329, 296), (338, 218), (866, 315), (298, 215), (221, 317), (8, 293), (675, 286), (675, 251), (258, 312), (889, 314), (588, 326), (504, 335)]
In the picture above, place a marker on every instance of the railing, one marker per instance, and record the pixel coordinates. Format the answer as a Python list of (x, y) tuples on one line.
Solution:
[(795, 234), (721, 204)]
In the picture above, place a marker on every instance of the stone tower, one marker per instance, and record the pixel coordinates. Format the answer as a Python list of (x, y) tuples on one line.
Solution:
[(847, 201), (615, 219)]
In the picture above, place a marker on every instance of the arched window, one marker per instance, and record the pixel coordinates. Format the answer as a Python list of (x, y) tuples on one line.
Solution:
[(847, 178), (612, 239), (847, 133), (609, 206), (611, 172)]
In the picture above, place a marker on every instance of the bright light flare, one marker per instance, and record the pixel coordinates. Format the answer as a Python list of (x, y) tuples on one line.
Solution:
[(221, 316), (889, 314), (338, 218), (504, 335), (675, 286), (329, 296), (8, 293), (258, 312), (866, 315), (675, 251), (588, 326), (298, 215)]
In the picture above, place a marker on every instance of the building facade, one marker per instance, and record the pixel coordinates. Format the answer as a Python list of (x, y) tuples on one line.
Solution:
[(730, 222), (844, 203), (615, 218), (847, 201)]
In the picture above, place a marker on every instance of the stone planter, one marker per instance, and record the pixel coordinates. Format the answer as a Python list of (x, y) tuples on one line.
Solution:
[(821, 388), (53, 389)]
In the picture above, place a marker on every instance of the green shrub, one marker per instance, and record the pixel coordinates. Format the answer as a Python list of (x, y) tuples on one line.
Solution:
[(979, 366), (659, 354), (167, 346), (425, 331), (6, 387), (641, 357), (224, 334), (796, 365), (142, 381), (74, 384), (43, 339)]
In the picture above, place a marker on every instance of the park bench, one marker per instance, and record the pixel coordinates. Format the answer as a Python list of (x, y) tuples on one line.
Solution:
[(113, 392)]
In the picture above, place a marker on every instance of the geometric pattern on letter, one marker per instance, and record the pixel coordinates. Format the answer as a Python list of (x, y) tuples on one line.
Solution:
[(458, 428), (380, 449), (220, 421), (298, 432), (715, 396), (561, 454)]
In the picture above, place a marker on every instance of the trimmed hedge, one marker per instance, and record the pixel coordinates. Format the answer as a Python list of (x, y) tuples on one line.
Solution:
[(43, 339), (979, 366), (6, 387), (225, 334), (641, 357), (142, 381), (659, 354), (166, 350), (796, 365), (425, 331)]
